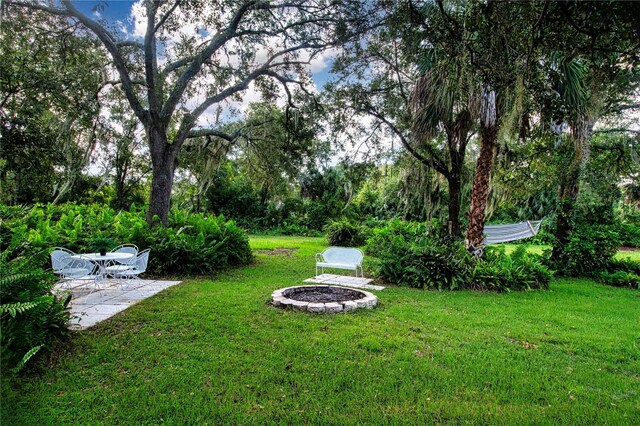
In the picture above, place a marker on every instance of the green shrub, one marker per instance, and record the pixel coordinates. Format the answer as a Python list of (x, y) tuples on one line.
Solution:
[(425, 263), (421, 256), (345, 233), (620, 279), (294, 228), (407, 232), (499, 272), (32, 318), (626, 265), (190, 244), (411, 254), (100, 244), (589, 251), (629, 234)]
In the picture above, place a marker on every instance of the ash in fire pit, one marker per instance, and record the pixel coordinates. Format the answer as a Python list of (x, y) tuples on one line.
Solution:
[(322, 298), (323, 294)]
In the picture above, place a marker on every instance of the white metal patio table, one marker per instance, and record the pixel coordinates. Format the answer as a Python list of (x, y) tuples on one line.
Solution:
[(103, 260)]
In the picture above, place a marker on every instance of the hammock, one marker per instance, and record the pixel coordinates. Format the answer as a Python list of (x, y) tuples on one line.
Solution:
[(511, 231)]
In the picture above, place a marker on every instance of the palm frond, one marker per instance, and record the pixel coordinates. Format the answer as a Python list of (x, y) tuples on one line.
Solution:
[(570, 81)]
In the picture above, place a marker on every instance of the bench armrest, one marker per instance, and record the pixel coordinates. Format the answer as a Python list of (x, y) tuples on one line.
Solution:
[(319, 257)]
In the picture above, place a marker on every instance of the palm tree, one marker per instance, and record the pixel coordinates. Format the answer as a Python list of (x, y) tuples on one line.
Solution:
[(489, 119), (441, 101)]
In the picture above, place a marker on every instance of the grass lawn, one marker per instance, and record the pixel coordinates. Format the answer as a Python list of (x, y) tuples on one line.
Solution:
[(534, 248), (212, 351)]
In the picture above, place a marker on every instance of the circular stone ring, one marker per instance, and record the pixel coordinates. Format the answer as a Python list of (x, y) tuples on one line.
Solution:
[(323, 298)]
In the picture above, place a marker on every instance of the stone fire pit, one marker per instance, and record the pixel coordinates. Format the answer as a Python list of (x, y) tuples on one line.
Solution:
[(323, 298)]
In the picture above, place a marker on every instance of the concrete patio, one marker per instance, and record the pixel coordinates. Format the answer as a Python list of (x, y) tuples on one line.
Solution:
[(344, 280), (89, 308)]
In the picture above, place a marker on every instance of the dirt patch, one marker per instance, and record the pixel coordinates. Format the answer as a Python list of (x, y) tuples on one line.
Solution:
[(625, 248), (278, 251), (524, 343)]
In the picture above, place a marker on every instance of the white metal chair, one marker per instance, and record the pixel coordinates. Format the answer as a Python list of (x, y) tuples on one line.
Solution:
[(78, 268), (341, 258), (122, 265), (133, 270), (126, 248), (59, 258)]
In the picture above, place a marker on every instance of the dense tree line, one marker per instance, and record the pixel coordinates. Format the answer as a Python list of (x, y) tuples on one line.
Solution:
[(504, 110)]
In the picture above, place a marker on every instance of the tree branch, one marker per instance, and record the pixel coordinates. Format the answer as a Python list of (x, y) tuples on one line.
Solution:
[(265, 69), (37, 6), (198, 133), (130, 43), (618, 130), (196, 64), (150, 62), (429, 162), (110, 45), (628, 106), (166, 16)]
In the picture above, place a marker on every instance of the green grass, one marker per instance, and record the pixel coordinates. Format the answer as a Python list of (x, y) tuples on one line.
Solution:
[(535, 248), (214, 352)]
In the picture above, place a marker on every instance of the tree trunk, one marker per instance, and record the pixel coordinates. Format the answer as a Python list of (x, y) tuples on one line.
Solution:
[(570, 184), (457, 142), (454, 181), (480, 190), (163, 158)]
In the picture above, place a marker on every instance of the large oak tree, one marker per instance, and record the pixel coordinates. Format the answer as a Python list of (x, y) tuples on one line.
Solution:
[(195, 58)]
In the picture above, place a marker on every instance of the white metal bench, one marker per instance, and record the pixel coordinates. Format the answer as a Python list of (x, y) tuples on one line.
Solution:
[(340, 258)]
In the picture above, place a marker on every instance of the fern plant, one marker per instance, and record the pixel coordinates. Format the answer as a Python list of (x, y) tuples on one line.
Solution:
[(31, 317), (190, 244)]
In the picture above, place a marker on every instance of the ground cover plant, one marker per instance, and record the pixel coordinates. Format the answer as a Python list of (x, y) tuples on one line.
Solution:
[(346, 233), (212, 351)]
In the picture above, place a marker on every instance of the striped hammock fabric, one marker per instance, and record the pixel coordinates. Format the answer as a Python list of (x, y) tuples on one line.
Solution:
[(511, 231)]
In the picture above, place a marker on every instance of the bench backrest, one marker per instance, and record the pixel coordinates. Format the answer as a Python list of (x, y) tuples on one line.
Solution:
[(343, 255)]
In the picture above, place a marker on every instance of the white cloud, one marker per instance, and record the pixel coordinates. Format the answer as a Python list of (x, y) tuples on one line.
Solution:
[(322, 61), (138, 19)]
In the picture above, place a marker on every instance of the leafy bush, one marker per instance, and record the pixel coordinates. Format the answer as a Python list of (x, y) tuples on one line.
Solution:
[(589, 251), (626, 265), (190, 244), (396, 231), (345, 233), (102, 244), (293, 228), (425, 263), (520, 271), (408, 254), (417, 255), (629, 234), (32, 318), (620, 279)]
